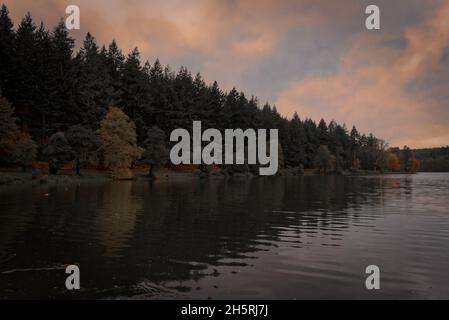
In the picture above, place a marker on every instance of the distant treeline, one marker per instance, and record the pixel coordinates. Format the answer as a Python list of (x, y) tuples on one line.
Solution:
[(52, 89), (433, 159)]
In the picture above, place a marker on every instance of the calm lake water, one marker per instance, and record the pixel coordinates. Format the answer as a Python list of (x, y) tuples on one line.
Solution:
[(267, 238)]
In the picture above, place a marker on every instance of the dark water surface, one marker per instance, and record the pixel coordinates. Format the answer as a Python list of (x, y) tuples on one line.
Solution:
[(275, 238)]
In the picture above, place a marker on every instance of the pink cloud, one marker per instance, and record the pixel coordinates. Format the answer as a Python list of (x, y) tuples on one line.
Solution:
[(371, 87), (233, 35)]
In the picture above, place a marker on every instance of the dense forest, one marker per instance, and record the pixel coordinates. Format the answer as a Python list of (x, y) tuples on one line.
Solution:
[(433, 159), (55, 104)]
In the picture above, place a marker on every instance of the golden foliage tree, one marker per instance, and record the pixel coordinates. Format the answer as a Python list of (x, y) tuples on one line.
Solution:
[(118, 135)]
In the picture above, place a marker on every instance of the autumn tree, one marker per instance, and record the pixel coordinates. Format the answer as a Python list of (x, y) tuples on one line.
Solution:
[(394, 164), (118, 135)]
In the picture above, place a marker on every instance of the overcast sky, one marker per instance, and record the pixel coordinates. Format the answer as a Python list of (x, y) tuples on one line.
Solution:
[(310, 56)]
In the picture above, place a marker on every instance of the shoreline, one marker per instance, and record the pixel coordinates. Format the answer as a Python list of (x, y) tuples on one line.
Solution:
[(14, 177)]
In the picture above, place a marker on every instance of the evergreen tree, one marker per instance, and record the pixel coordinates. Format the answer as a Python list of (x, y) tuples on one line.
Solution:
[(323, 134), (63, 90), (231, 109), (41, 101), (114, 62), (6, 49), (295, 152), (94, 83), (354, 147), (311, 145), (134, 97), (23, 89), (158, 90)]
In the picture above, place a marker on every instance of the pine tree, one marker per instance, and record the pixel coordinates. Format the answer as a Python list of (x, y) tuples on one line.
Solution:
[(41, 104), (94, 83), (296, 145), (134, 97), (231, 109), (23, 89), (6, 50), (181, 108), (312, 143), (63, 90), (114, 62), (158, 88), (323, 134), (354, 147)]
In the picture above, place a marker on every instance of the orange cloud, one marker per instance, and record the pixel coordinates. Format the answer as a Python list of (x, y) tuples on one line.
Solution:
[(233, 35)]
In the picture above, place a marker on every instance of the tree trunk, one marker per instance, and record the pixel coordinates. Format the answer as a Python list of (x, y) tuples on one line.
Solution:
[(77, 167), (43, 128)]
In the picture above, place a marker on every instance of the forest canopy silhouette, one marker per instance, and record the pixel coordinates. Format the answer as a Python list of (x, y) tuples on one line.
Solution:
[(49, 89)]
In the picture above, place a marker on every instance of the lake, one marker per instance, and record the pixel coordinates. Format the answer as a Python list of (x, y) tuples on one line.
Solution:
[(263, 238)]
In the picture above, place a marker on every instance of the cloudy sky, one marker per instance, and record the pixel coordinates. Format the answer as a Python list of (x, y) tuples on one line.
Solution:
[(310, 56)]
